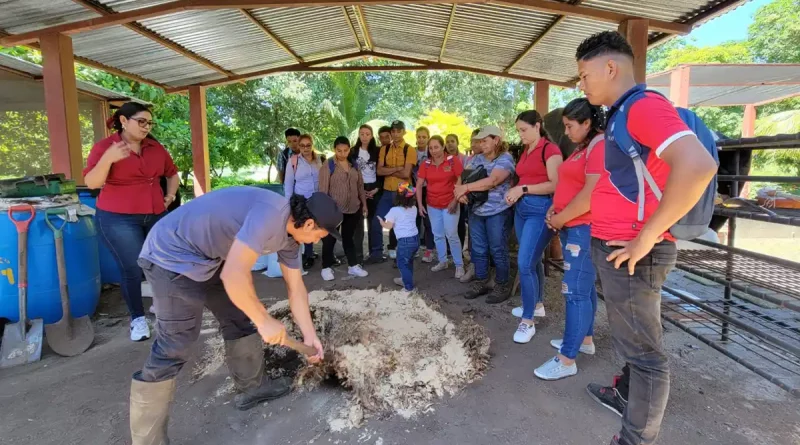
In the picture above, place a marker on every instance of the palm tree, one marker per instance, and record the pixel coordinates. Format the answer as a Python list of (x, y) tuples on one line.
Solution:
[(350, 107)]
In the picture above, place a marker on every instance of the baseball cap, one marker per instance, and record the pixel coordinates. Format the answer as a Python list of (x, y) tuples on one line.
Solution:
[(398, 125), (325, 213), (489, 130)]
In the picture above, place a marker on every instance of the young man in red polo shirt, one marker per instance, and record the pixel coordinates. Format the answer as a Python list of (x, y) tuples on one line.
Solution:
[(634, 252)]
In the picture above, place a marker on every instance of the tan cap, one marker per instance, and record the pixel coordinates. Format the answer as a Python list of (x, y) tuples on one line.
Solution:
[(489, 130)]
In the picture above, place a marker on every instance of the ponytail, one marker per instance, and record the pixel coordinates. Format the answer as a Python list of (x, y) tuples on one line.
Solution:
[(580, 110)]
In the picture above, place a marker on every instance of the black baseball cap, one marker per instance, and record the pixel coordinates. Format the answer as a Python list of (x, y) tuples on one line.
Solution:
[(398, 125), (325, 213)]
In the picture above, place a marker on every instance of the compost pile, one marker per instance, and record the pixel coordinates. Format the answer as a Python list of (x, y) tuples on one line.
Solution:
[(396, 353)]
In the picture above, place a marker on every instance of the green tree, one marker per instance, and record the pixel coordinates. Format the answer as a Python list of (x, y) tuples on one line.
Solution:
[(443, 123), (774, 35)]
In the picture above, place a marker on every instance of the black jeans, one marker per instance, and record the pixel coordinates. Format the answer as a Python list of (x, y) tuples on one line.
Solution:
[(348, 230), (179, 303), (375, 231), (124, 235), (424, 224), (633, 304)]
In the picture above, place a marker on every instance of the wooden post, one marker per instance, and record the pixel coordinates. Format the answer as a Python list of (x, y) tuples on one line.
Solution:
[(749, 121), (197, 121), (679, 86), (99, 118), (635, 31), (541, 96), (61, 103)]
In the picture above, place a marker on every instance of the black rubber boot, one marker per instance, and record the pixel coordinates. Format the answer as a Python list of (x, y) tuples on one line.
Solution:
[(500, 293), (245, 359), (479, 287), (150, 411)]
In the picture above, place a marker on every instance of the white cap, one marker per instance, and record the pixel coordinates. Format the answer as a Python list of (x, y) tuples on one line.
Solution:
[(489, 130)]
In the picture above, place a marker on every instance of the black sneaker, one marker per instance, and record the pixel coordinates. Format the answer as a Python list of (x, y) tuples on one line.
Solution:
[(500, 293), (375, 260), (478, 288), (308, 263), (608, 396)]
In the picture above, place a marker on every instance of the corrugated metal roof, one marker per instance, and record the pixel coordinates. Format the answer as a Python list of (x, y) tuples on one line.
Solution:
[(725, 84), (485, 36), (33, 70)]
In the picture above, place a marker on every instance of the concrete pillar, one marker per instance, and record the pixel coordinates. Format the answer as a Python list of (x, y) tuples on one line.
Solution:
[(541, 96), (749, 121), (679, 86), (61, 103), (199, 131), (635, 31)]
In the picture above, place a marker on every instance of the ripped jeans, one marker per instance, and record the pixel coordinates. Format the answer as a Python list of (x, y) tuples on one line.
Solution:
[(578, 288)]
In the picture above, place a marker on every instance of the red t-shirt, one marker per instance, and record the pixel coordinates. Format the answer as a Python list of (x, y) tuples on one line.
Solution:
[(441, 180), (572, 177), (654, 123), (133, 184), (530, 168)]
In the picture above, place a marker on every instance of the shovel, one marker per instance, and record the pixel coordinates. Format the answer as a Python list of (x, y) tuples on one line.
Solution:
[(21, 345), (69, 336)]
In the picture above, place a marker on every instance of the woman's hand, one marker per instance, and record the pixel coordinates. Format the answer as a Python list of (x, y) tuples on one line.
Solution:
[(371, 193), (364, 209), (461, 190), (117, 151), (556, 222), (168, 200), (423, 212), (513, 195), (463, 200), (452, 208)]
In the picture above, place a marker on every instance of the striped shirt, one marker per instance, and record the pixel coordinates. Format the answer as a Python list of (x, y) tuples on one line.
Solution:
[(346, 187)]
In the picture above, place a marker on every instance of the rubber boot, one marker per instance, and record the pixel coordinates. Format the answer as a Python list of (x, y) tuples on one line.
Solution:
[(245, 359), (150, 411)]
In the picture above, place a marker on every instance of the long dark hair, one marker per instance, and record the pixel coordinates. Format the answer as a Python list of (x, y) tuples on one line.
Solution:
[(532, 117), (580, 110), (128, 109), (372, 147)]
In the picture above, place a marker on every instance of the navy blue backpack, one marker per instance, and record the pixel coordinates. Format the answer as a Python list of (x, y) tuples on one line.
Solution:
[(696, 221)]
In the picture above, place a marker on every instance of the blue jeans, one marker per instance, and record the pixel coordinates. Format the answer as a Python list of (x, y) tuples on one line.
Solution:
[(489, 236), (406, 249), (124, 235), (445, 231), (385, 203), (580, 292), (533, 236)]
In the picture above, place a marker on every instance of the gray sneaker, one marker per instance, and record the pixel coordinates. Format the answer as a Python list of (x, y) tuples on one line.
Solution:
[(469, 274), (440, 266)]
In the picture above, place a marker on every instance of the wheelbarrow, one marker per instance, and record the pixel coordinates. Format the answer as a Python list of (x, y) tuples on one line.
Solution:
[(69, 336), (21, 344)]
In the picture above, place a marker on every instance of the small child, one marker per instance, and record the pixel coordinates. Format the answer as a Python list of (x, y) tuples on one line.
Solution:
[(403, 218)]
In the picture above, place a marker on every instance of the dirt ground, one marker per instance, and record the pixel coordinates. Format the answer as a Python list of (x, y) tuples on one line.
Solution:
[(84, 400)]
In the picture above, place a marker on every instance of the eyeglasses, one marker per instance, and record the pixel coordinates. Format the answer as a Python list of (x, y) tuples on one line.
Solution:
[(304, 145), (144, 123)]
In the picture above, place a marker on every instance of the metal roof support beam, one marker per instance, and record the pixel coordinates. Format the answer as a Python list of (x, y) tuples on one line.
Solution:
[(141, 30), (636, 32), (61, 104), (352, 28), (679, 86), (546, 6), (199, 131), (362, 21), (538, 39), (447, 31), (271, 35)]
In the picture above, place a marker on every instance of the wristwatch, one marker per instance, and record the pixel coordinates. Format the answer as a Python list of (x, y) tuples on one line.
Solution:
[(525, 189)]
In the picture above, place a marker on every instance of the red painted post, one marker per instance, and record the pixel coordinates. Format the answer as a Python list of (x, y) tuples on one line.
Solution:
[(61, 103), (679, 82), (199, 130), (541, 96), (749, 121), (636, 32)]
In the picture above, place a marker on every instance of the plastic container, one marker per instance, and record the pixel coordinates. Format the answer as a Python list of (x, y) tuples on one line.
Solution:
[(44, 300), (32, 186), (109, 270)]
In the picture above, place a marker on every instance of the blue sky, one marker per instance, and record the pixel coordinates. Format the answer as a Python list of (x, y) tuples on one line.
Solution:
[(731, 26)]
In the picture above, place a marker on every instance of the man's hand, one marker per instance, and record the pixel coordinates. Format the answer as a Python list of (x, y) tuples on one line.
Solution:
[(314, 342), (272, 331), (632, 251)]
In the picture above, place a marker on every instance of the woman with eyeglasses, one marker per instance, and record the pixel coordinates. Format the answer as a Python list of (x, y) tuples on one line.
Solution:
[(128, 165), (302, 178)]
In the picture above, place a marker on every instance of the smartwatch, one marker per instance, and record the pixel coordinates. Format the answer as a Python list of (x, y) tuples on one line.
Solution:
[(525, 189)]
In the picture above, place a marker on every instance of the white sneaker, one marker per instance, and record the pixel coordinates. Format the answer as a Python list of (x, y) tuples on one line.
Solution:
[(460, 272), (553, 369), (399, 281), (538, 312), (440, 266), (428, 256), (357, 271), (469, 274), (392, 254), (585, 349), (327, 274), (140, 329), (524, 333)]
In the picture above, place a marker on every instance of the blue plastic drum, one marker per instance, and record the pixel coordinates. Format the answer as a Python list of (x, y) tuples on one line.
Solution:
[(109, 270), (44, 298)]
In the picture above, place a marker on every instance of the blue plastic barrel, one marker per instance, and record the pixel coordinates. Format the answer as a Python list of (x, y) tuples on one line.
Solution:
[(109, 270), (44, 298), (277, 188)]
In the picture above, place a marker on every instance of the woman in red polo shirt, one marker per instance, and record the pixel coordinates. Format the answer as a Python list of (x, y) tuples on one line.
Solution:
[(440, 172), (537, 169), (577, 176), (128, 166)]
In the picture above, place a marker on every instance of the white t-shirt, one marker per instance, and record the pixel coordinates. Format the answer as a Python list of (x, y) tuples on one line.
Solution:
[(405, 221), (368, 169)]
